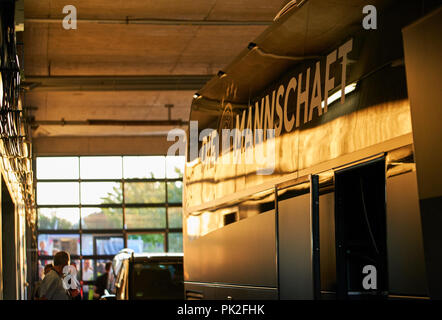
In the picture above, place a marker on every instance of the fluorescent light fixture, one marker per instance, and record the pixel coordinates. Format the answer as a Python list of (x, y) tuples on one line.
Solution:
[(337, 95), (221, 74), (251, 45), (287, 8)]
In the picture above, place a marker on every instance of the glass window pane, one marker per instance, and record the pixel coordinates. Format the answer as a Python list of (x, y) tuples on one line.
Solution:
[(58, 218), (175, 192), (100, 167), (175, 242), (175, 217), (76, 264), (144, 167), (101, 218), (137, 218), (41, 267), (101, 193), (87, 244), (174, 166), (144, 192), (57, 168), (50, 244), (57, 193), (91, 270), (147, 242), (88, 273), (108, 245), (104, 244), (101, 266)]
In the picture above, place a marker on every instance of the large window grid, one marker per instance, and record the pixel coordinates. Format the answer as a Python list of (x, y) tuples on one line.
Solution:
[(131, 201)]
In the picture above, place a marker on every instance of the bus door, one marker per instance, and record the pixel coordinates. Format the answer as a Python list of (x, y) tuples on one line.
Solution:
[(298, 240), (360, 231)]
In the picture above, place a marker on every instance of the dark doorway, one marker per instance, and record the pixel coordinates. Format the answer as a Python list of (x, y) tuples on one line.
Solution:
[(9, 270), (360, 222)]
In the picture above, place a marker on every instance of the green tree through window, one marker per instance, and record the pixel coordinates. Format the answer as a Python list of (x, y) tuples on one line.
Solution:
[(54, 223)]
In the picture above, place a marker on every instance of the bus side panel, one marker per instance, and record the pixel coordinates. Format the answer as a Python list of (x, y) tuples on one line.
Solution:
[(404, 237), (295, 248), (241, 253)]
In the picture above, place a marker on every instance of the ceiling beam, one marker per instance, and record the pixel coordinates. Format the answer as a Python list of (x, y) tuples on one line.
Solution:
[(156, 22), (109, 122), (115, 83), (107, 145)]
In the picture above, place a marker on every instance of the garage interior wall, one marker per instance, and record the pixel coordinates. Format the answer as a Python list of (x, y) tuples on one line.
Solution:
[(115, 145)]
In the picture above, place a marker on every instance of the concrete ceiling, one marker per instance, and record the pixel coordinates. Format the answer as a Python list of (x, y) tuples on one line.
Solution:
[(118, 49), (111, 105), (128, 59)]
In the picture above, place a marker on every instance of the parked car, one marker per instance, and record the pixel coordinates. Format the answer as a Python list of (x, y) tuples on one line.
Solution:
[(148, 276)]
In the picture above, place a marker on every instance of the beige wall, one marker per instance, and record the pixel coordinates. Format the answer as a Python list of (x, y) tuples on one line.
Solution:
[(136, 145)]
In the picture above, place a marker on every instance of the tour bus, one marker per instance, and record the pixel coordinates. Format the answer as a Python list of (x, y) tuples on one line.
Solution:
[(300, 180)]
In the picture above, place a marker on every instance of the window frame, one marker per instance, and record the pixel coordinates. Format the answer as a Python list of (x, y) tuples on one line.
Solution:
[(124, 231)]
